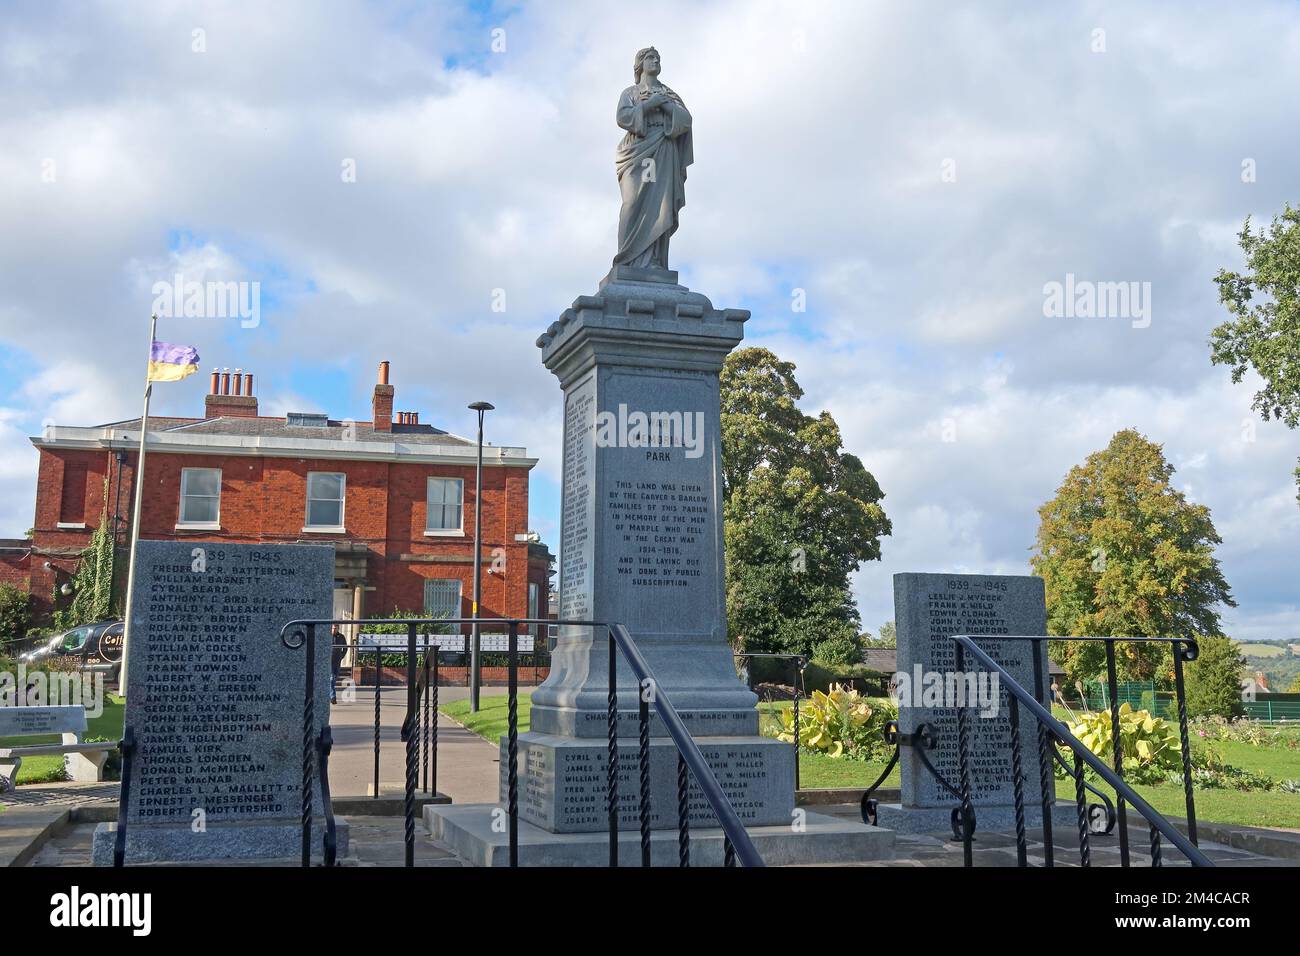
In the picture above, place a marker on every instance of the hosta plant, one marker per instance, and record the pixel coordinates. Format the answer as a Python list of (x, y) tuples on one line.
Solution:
[(1149, 744), (840, 723)]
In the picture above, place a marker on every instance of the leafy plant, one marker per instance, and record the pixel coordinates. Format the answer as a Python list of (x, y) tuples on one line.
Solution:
[(93, 598), (1148, 744), (15, 615), (839, 723)]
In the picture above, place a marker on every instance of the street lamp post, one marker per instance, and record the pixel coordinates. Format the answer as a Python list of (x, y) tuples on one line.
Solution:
[(474, 681)]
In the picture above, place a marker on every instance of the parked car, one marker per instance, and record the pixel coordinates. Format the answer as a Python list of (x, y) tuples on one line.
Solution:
[(46, 648), (99, 645)]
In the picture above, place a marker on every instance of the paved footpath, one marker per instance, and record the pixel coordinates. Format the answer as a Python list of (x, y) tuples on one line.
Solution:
[(467, 764)]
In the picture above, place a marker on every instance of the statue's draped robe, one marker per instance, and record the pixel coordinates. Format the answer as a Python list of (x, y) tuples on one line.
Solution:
[(653, 192)]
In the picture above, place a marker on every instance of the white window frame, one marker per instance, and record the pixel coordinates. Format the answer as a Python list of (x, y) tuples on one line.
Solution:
[(458, 532), (342, 500), (181, 521), (455, 609)]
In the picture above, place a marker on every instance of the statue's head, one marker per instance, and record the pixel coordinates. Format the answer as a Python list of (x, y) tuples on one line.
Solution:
[(647, 61)]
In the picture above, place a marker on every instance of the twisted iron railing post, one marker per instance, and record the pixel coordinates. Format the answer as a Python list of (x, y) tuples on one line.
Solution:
[(611, 768), (324, 744), (1046, 780), (963, 761), (683, 813), (411, 735), (433, 728), (1081, 808), (1185, 650), (643, 717), (428, 717), (379, 670), (512, 743), (1017, 781), (1117, 752), (308, 739)]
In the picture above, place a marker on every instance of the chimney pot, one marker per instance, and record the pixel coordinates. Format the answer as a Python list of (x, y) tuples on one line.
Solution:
[(216, 382), (238, 381), (248, 383), (225, 381), (382, 403)]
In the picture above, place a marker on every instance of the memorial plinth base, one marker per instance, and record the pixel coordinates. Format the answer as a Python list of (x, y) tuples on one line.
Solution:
[(895, 816), (562, 782), (178, 843), (470, 831)]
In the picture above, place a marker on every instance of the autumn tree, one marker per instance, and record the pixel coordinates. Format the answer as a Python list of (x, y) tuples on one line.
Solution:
[(1264, 331), (1122, 552), (800, 515)]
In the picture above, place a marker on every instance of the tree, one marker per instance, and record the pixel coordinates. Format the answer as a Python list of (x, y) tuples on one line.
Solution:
[(15, 616), (1295, 686), (1121, 552), (1213, 680), (888, 637), (1265, 335), (799, 515)]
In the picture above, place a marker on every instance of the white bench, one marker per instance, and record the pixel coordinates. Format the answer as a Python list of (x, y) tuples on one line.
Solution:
[(83, 761)]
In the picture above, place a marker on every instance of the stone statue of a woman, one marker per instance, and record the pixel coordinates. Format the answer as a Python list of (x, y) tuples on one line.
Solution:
[(651, 164)]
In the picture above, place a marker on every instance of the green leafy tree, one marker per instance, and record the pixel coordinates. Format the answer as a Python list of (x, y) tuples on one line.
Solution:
[(15, 616), (1264, 331), (800, 515), (1121, 552), (1295, 686), (888, 637), (1213, 680)]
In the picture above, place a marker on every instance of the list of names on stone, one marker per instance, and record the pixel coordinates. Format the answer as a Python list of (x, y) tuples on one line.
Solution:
[(214, 698)]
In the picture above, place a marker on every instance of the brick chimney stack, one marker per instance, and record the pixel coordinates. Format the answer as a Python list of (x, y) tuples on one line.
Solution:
[(383, 401), (230, 399)]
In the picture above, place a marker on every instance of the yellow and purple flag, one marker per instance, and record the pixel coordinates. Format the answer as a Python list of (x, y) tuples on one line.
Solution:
[(171, 363)]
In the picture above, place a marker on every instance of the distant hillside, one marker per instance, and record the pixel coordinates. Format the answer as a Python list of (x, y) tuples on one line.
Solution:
[(1277, 660)]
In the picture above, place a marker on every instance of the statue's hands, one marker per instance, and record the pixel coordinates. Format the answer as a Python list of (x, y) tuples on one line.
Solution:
[(655, 100)]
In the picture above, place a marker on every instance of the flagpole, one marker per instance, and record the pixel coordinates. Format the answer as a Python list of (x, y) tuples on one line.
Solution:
[(136, 510)]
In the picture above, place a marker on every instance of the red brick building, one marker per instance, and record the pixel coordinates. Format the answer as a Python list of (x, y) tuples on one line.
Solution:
[(396, 498)]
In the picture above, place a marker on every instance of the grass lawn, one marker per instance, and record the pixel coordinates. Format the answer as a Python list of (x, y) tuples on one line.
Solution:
[(491, 719), (816, 771), (47, 768)]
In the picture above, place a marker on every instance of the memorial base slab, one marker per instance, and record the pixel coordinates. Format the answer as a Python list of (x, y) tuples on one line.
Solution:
[(177, 843), (469, 830), (562, 782), (895, 816)]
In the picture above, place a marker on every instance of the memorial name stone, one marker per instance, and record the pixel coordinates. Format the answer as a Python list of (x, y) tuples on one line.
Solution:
[(215, 699), (930, 609)]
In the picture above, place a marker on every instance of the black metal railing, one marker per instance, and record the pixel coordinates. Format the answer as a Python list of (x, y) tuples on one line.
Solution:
[(798, 664), (1051, 733), (424, 730), (690, 761)]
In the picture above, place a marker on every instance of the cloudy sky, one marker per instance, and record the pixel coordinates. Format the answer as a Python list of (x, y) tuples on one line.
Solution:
[(919, 171)]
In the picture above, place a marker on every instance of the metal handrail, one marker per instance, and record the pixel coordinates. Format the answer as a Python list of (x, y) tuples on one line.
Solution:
[(736, 840), (689, 751), (965, 643)]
